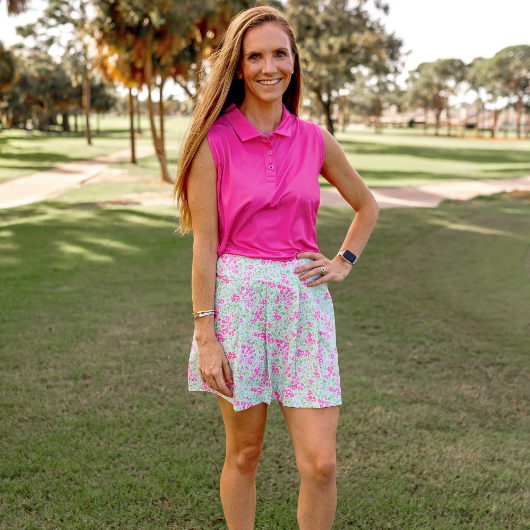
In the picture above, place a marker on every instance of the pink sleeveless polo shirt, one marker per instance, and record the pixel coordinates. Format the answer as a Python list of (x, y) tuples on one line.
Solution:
[(268, 192)]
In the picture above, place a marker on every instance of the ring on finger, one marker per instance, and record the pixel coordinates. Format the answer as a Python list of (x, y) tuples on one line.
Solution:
[(323, 270)]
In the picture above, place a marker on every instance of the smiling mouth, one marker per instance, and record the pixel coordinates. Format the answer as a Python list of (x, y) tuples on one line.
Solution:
[(269, 83)]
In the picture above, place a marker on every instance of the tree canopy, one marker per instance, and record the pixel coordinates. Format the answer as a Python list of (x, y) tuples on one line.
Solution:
[(336, 39)]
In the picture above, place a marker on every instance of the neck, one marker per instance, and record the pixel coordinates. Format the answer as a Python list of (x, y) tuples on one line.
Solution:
[(265, 117)]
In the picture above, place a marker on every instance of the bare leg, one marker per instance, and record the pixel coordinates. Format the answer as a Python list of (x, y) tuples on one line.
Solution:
[(313, 432), (244, 442)]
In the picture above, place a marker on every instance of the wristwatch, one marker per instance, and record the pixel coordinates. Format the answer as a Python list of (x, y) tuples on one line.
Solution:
[(350, 257)]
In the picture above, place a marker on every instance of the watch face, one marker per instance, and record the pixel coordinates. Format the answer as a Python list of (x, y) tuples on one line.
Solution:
[(350, 256)]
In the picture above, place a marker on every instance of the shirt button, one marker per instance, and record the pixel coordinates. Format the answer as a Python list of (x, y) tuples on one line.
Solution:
[(270, 152), (271, 167)]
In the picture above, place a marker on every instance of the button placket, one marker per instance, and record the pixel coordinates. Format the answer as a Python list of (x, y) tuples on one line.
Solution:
[(270, 163)]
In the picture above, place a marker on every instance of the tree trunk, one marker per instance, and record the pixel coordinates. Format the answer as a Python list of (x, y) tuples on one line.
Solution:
[(326, 105), (131, 115), (86, 106), (448, 111), (494, 124), (425, 117), (528, 124), (157, 141), (378, 128), (519, 111), (65, 124), (76, 128), (161, 109), (139, 128), (437, 124)]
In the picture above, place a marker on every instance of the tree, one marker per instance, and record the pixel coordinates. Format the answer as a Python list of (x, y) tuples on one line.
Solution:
[(441, 78), (67, 17), (140, 40), (102, 99), (513, 67), (484, 75), (8, 69), (335, 38), (117, 68), (476, 77), (151, 41), (420, 92), (8, 72)]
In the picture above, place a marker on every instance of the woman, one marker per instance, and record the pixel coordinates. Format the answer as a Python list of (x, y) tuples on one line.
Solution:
[(264, 326)]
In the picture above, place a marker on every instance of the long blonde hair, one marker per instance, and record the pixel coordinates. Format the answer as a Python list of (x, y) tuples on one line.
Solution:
[(223, 88)]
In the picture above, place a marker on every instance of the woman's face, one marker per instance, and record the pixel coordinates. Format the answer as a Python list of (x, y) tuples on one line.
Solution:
[(266, 63)]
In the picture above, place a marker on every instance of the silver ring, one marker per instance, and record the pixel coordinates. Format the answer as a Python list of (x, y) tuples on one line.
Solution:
[(323, 270)]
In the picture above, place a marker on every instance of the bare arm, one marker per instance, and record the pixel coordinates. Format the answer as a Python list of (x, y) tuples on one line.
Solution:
[(339, 172), (202, 198)]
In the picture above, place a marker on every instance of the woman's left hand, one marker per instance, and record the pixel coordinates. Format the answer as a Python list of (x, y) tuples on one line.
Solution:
[(335, 270)]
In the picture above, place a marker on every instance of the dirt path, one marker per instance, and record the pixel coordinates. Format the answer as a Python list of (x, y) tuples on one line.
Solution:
[(51, 183)]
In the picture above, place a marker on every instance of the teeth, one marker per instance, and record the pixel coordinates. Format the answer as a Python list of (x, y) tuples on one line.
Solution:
[(269, 82)]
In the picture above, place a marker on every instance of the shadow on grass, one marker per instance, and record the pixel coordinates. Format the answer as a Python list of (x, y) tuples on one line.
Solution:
[(99, 430), (479, 156), (24, 156)]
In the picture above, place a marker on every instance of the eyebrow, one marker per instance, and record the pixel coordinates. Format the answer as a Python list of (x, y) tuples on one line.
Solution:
[(257, 53)]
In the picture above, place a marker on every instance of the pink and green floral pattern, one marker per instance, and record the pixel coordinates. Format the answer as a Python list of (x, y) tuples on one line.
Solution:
[(277, 333)]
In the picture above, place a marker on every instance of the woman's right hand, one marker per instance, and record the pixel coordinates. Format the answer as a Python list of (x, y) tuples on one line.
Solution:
[(213, 365)]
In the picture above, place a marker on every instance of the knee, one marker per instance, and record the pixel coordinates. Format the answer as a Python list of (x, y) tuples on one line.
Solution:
[(321, 470), (246, 458)]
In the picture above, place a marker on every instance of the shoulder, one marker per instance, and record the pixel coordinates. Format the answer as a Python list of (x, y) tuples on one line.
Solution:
[(203, 159), (331, 145)]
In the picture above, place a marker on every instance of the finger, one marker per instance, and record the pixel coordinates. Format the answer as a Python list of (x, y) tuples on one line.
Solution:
[(221, 386), (321, 280), (227, 371), (202, 377), (311, 273), (310, 255), (306, 267)]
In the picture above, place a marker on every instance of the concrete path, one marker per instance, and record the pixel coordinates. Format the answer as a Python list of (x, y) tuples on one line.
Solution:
[(51, 183), (431, 195)]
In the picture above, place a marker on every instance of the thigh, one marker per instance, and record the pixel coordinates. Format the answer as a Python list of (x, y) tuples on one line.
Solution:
[(313, 432), (244, 428)]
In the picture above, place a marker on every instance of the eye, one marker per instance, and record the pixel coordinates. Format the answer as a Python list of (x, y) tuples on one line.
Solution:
[(282, 54), (253, 57)]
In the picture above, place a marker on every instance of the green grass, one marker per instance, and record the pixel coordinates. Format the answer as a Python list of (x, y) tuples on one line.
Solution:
[(20, 156), (399, 157), (98, 429), (405, 158)]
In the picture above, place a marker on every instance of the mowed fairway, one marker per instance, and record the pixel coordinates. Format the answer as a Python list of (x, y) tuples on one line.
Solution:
[(98, 430), (404, 157)]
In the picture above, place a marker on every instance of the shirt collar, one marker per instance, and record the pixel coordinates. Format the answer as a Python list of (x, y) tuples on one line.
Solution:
[(246, 131)]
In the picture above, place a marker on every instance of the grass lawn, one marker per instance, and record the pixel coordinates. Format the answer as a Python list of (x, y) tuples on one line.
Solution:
[(98, 429), (399, 157), (404, 157), (20, 156)]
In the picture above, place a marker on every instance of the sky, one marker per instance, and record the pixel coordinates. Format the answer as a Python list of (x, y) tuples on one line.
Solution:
[(430, 29)]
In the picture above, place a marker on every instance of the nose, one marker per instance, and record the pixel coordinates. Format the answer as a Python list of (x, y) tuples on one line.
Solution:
[(269, 67)]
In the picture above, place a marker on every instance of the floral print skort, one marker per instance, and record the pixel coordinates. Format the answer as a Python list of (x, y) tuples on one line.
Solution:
[(277, 333)]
